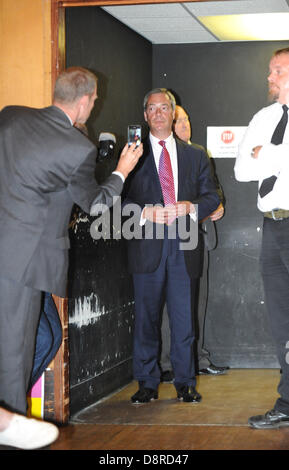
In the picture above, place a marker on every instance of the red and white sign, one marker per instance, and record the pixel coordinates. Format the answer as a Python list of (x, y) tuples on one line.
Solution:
[(223, 142), (227, 137)]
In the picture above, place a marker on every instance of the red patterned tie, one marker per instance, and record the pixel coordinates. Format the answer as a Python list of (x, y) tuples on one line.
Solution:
[(166, 175)]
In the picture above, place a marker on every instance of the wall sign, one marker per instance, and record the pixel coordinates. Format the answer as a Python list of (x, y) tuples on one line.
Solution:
[(223, 141)]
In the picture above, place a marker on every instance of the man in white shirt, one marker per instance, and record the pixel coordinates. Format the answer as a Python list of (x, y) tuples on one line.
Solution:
[(264, 157), (173, 181)]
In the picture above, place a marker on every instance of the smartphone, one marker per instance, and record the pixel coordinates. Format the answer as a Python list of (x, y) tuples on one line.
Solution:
[(134, 134)]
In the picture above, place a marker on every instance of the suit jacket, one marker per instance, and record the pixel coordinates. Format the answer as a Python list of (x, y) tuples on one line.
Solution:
[(46, 165), (208, 228), (143, 187)]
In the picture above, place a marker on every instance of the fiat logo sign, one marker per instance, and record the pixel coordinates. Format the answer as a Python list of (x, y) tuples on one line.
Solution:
[(227, 137)]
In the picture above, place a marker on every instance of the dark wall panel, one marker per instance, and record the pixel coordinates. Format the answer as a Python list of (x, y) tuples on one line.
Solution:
[(100, 290), (218, 84), (224, 85), (121, 59)]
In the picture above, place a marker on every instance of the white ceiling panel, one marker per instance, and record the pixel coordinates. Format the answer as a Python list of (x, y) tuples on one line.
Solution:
[(162, 23), (237, 7), (178, 22), (179, 37), (171, 24), (171, 10)]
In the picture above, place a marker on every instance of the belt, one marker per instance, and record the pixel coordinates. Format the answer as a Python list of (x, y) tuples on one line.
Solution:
[(277, 214)]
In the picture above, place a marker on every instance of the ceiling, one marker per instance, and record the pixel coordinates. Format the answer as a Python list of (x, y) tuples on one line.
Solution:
[(198, 22)]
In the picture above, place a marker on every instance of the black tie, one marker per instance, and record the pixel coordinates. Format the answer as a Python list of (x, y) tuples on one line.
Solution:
[(277, 138)]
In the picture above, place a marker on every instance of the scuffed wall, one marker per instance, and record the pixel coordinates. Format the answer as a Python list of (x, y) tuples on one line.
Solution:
[(101, 315)]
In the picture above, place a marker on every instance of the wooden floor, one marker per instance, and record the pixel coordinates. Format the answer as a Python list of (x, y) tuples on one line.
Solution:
[(219, 422)]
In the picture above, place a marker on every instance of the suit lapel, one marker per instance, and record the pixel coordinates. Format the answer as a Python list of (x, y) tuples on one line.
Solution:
[(152, 172)]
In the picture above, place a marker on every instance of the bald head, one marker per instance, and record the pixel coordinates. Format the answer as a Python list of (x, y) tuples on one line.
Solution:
[(182, 126)]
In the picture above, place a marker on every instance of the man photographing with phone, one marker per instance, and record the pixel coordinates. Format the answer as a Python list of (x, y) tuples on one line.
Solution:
[(47, 165)]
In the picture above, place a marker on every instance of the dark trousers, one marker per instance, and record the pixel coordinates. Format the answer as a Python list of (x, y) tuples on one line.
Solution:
[(19, 316), (202, 355), (275, 272), (169, 283), (48, 339)]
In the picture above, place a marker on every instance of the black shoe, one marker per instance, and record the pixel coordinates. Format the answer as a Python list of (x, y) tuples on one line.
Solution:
[(144, 395), (213, 370), (188, 394), (167, 376), (273, 419)]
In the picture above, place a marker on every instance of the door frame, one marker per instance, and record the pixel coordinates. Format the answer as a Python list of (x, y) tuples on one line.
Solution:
[(58, 53)]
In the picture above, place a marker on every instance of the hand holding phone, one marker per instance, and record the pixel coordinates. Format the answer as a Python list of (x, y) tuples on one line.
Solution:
[(134, 134), (128, 159)]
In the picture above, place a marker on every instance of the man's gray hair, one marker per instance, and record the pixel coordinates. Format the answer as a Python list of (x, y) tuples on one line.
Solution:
[(160, 90), (73, 83)]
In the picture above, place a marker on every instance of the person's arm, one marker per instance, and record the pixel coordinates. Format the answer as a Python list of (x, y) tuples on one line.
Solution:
[(89, 195), (208, 199), (218, 213), (273, 157), (257, 158), (128, 159)]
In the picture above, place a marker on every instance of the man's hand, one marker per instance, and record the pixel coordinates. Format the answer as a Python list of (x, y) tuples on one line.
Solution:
[(184, 208), (128, 159), (167, 214), (218, 213), (159, 214), (255, 151)]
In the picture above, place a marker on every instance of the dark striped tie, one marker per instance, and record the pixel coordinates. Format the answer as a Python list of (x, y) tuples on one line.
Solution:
[(277, 138)]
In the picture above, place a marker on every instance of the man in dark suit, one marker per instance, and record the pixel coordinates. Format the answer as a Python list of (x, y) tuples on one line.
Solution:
[(204, 366), (46, 166), (171, 184)]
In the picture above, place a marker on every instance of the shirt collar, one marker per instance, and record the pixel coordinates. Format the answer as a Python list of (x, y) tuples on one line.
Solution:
[(280, 104), (69, 118), (155, 140)]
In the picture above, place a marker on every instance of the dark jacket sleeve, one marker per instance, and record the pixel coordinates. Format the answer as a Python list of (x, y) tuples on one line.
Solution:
[(86, 192)]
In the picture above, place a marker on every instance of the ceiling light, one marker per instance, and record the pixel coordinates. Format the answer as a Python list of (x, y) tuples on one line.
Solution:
[(255, 27)]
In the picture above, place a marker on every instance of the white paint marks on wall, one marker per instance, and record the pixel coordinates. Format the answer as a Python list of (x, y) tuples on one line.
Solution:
[(77, 219), (86, 311)]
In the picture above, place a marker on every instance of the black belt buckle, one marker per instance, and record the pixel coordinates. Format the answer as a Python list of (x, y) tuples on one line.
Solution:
[(273, 215)]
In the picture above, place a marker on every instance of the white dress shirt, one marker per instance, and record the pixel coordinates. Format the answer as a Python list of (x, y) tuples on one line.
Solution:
[(172, 149), (272, 159)]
